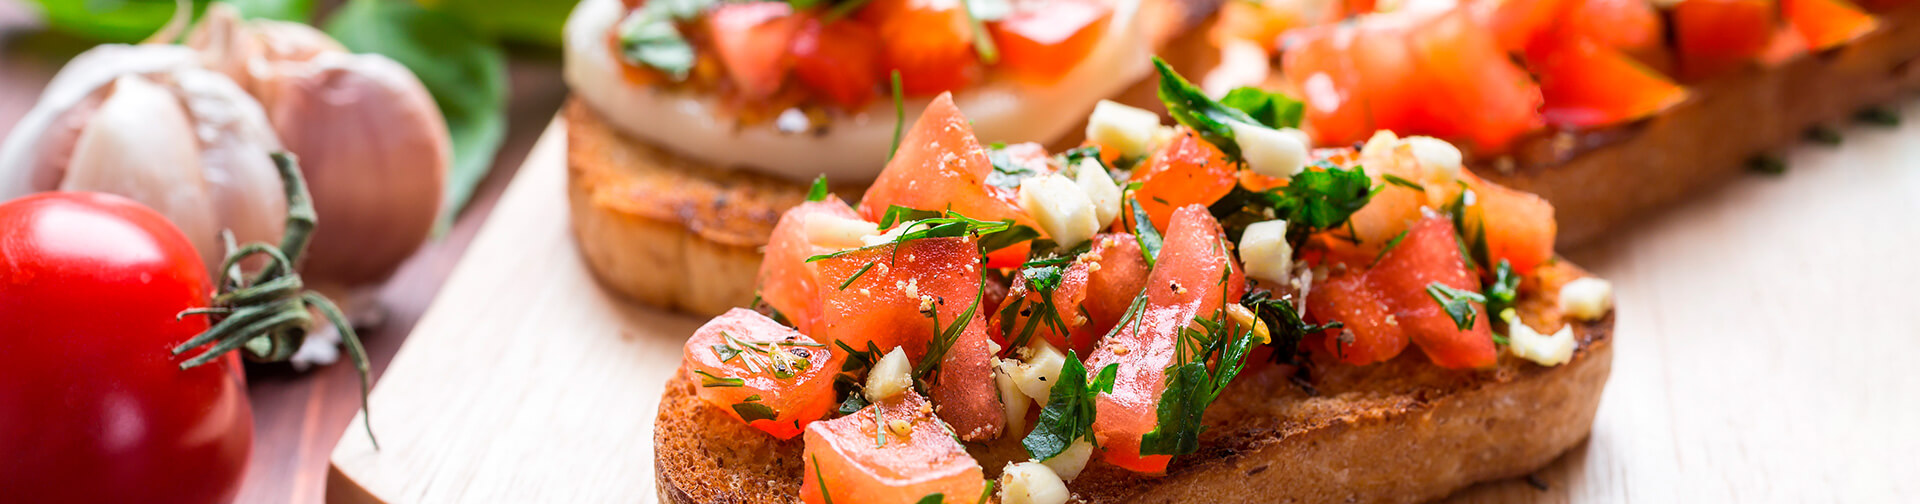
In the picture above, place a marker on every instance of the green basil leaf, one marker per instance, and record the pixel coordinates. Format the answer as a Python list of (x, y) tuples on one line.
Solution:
[(1273, 110)]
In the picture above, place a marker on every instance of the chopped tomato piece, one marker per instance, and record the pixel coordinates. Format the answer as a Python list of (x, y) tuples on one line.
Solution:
[(1519, 225), (1040, 42), (1516, 23), (839, 60), (904, 296), (1712, 36), (1318, 64), (1477, 92), (1193, 278), (1093, 293), (1626, 25), (1826, 23), (752, 40), (1587, 84), (761, 372), (941, 166), (929, 41), (1400, 284), (787, 281), (1186, 171), (891, 451)]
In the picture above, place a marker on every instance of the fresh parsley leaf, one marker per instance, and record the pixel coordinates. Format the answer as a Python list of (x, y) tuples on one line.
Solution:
[(711, 380), (1326, 197), (1193, 108), (1504, 289), (944, 337), (898, 214), (1273, 110), (899, 114), (1284, 325), (1069, 413), (1457, 303), (1397, 180), (1191, 387), (1143, 231), (648, 37), (752, 411), (819, 190)]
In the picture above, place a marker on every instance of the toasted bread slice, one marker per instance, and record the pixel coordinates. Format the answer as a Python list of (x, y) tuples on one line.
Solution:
[(1400, 431), (677, 233), (1600, 180)]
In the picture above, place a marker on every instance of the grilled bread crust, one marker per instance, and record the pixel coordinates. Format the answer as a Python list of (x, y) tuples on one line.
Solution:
[(1400, 431)]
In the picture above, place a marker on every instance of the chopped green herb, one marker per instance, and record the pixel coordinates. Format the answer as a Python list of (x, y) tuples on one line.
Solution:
[(1768, 165), (944, 337), (978, 13), (1193, 108), (1391, 243), (1191, 387), (648, 37), (710, 380), (819, 190), (932, 499), (1143, 231), (1504, 289), (1273, 110), (856, 275), (753, 411), (897, 214), (879, 428), (1069, 413), (821, 479), (1284, 326), (899, 115), (1326, 197), (1396, 180), (987, 492), (953, 225), (1457, 303)]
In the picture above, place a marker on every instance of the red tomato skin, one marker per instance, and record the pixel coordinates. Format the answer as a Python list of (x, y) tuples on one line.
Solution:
[(797, 400), (1469, 71), (845, 460), (839, 60), (941, 166), (1365, 336), (752, 40), (1519, 225), (883, 305), (97, 407), (787, 281), (1586, 84), (1100, 283), (1430, 254), (1712, 36), (1185, 284), (929, 41), (1186, 171), (1041, 44), (1826, 23)]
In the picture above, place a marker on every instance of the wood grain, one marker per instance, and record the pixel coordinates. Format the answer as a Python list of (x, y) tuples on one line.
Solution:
[(1763, 354)]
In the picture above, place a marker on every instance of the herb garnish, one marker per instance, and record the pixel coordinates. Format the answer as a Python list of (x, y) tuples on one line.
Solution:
[(944, 337), (1213, 120), (1143, 232), (933, 498), (711, 380), (1191, 387), (1273, 110), (1040, 275), (649, 37), (994, 235), (751, 410), (1284, 325), (899, 115), (1397, 180), (784, 358), (1069, 413), (822, 480), (857, 364), (1504, 289), (1457, 303), (819, 190), (979, 12)]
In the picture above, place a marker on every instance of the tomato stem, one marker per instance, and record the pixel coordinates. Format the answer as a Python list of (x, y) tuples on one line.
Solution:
[(270, 313)]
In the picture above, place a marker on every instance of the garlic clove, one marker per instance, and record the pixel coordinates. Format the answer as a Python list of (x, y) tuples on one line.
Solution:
[(239, 48), (140, 144), (34, 155), (375, 153), (236, 141)]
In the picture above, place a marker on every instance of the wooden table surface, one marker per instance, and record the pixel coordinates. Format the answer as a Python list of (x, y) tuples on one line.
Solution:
[(297, 417)]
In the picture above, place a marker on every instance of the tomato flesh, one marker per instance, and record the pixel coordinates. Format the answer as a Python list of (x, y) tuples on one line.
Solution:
[(904, 456), (789, 283), (1094, 292), (888, 304), (1186, 283), (1186, 171), (1388, 304), (96, 407), (743, 359), (839, 60), (1042, 43), (1586, 84), (929, 41), (1826, 23), (752, 41), (1519, 226), (941, 166), (1715, 35)]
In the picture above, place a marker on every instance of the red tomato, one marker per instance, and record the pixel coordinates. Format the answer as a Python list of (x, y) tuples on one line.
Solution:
[(1627, 25), (1519, 225), (941, 166), (1042, 42), (1186, 171), (888, 304), (749, 365), (892, 451), (97, 408), (839, 60), (1826, 23), (787, 281), (1477, 93), (1586, 84), (752, 40), (1093, 294), (1516, 23), (1388, 304), (929, 41), (1316, 62), (1715, 35), (1185, 284)]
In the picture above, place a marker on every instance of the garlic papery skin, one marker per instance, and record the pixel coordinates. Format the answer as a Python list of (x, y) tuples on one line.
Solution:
[(146, 122), (371, 141)]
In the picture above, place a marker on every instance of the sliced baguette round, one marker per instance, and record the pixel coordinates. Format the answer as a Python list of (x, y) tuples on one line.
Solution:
[(1399, 431)]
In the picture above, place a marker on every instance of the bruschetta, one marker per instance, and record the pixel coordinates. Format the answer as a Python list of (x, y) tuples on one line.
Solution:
[(695, 123), (1206, 312)]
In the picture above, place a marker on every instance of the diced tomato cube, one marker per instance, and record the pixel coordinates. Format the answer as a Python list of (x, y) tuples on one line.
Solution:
[(1478, 93), (752, 40), (1194, 277), (840, 60), (929, 41), (1712, 36), (891, 451), (787, 281), (899, 296), (1366, 335), (1093, 293), (1400, 285), (1519, 225), (761, 372), (1826, 23), (941, 166), (1587, 84), (1186, 171), (1039, 42)]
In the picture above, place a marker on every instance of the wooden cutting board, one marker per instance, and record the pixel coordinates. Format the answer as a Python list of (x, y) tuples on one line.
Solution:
[(1766, 339)]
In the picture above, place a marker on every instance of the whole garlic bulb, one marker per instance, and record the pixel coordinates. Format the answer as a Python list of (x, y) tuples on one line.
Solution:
[(147, 122), (371, 141)]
